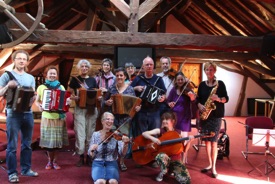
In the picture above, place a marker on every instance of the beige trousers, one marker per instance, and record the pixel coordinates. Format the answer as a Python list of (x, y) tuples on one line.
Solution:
[(84, 127)]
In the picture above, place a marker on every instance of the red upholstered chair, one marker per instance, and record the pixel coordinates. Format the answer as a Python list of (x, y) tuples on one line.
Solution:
[(70, 124), (3, 146), (70, 129), (259, 122)]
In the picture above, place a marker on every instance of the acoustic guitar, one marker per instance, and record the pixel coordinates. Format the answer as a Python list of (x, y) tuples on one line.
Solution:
[(145, 151)]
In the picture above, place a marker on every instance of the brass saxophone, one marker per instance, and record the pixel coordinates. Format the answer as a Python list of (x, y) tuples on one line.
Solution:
[(209, 104)]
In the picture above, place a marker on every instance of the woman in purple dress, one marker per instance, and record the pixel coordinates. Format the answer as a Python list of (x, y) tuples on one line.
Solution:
[(180, 103)]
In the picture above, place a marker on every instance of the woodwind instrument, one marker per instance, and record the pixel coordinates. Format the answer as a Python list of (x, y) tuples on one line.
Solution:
[(209, 104)]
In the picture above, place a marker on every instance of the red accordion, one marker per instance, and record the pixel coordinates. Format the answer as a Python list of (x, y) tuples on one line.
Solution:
[(55, 100)]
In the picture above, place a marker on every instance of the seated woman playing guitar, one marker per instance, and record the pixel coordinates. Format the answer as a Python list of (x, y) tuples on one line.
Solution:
[(168, 161)]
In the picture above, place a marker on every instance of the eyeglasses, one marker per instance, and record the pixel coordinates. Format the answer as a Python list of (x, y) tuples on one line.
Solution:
[(21, 59), (109, 119)]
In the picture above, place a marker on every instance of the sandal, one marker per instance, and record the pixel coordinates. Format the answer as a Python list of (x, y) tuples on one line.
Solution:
[(123, 167), (13, 178)]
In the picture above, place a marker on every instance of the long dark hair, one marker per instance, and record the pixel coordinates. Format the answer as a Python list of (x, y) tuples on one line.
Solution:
[(175, 82)]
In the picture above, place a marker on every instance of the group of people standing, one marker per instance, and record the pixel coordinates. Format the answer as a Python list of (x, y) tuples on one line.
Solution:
[(168, 108)]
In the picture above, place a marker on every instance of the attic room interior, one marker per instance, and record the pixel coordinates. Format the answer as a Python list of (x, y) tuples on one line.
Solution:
[(238, 35)]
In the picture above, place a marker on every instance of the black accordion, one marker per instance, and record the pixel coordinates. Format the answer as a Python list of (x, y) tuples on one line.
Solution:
[(19, 98)]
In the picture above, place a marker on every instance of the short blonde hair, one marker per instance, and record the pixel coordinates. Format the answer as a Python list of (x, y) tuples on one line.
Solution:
[(208, 64)]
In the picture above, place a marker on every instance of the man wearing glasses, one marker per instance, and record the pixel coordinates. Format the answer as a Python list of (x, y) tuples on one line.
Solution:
[(18, 121)]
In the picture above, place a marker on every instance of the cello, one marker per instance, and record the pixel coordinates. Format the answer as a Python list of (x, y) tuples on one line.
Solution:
[(145, 151)]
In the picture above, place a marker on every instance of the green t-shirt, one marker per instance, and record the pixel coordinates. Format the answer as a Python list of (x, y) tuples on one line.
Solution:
[(47, 114)]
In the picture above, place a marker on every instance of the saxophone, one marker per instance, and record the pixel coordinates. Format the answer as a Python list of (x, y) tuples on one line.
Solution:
[(209, 104)]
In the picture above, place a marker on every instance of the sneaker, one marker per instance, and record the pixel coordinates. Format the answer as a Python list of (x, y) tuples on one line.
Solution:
[(123, 167), (13, 178), (30, 173), (56, 166), (159, 177), (49, 166)]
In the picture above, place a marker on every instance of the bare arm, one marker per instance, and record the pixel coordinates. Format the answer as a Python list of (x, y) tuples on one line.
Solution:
[(10, 84), (150, 135)]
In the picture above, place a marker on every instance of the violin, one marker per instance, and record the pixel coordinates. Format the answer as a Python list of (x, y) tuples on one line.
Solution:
[(171, 73), (113, 134), (190, 87)]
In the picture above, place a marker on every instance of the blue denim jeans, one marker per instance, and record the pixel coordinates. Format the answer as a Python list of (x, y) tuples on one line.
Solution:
[(23, 122), (105, 170)]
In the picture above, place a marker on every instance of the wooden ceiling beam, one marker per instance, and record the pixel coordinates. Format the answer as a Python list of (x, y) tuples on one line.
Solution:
[(256, 79), (164, 12), (122, 6), (231, 16), (214, 14), (109, 50), (41, 65), (56, 16), (107, 14), (146, 7), (4, 55), (245, 15), (253, 14), (133, 18), (256, 68), (205, 42), (187, 22), (269, 62), (203, 21), (90, 20)]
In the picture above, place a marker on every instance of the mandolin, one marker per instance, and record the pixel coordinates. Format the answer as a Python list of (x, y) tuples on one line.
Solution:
[(145, 151)]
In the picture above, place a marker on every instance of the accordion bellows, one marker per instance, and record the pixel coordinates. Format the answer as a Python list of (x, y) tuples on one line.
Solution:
[(88, 98), (22, 98), (125, 104)]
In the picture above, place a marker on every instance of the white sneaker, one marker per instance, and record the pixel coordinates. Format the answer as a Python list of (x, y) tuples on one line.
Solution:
[(159, 177)]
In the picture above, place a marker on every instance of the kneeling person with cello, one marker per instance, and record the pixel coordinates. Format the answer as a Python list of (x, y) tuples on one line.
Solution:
[(168, 159)]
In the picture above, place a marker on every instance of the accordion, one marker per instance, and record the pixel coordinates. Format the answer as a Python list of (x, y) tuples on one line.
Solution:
[(55, 100), (125, 104), (21, 99), (88, 98), (151, 94)]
